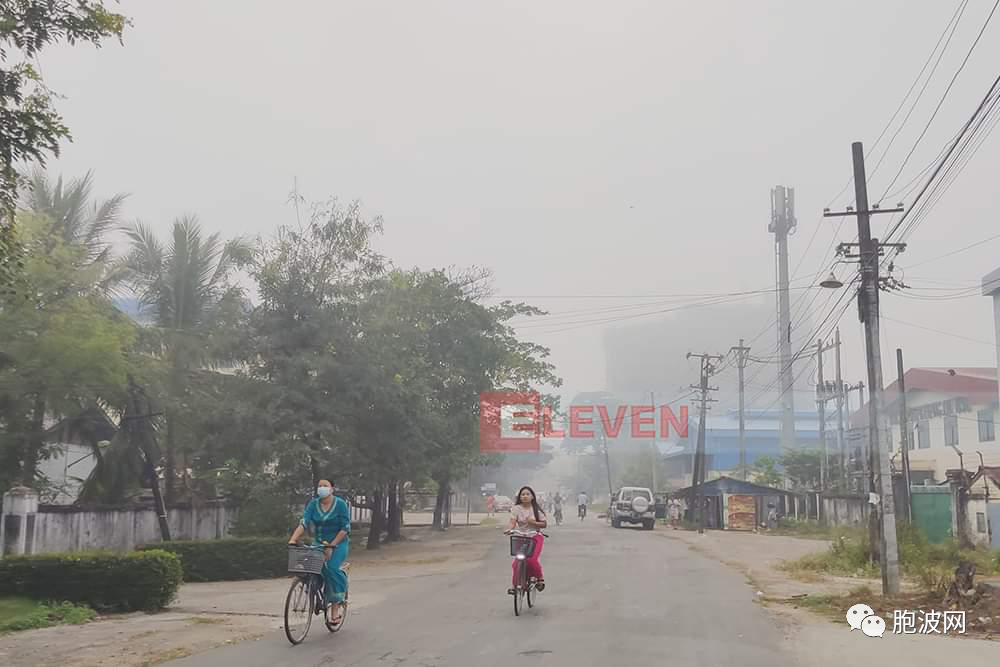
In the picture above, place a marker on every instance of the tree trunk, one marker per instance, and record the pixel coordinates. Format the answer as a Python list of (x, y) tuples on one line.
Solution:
[(378, 520), (170, 460), (34, 441), (395, 514), (440, 506)]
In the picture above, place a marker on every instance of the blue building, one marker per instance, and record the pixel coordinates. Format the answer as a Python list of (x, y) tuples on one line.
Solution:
[(722, 438)]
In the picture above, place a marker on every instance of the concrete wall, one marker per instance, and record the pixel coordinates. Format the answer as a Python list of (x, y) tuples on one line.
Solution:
[(977, 505), (844, 510), (123, 530), (61, 529)]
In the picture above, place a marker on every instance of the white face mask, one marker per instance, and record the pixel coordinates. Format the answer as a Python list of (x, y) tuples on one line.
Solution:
[(324, 491)]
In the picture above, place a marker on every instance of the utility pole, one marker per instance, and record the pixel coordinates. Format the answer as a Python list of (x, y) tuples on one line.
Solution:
[(823, 394), (782, 222), (904, 431), (840, 414), (868, 295), (656, 458), (698, 481), (742, 355), (821, 410), (607, 464)]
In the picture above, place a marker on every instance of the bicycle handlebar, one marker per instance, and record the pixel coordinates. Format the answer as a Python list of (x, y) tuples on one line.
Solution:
[(522, 534)]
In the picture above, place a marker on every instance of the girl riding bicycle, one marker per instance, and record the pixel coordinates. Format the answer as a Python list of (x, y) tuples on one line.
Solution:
[(527, 517), (330, 520)]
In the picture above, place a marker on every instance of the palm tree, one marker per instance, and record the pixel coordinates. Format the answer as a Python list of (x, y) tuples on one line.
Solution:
[(77, 220), (184, 287), (82, 224)]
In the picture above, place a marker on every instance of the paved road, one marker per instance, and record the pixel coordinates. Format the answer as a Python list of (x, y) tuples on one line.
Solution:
[(614, 597)]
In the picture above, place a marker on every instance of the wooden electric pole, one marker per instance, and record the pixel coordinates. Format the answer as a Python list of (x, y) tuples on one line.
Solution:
[(904, 432), (868, 295), (698, 479), (742, 355)]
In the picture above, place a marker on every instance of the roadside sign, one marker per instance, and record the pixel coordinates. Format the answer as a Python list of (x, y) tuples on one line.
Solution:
[(489, 487)]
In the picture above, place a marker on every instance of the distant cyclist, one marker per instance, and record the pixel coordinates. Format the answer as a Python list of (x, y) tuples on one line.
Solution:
[(557, 505), (581, 504)]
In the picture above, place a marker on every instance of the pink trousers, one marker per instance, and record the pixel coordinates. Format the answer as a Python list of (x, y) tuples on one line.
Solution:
[(533, 566)]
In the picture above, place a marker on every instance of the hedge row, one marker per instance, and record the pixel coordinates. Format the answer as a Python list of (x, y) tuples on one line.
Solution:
[(133, 581), (230, 559)]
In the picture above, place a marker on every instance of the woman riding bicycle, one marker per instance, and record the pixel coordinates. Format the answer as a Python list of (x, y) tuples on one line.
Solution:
[(330, 520), (528, 518)]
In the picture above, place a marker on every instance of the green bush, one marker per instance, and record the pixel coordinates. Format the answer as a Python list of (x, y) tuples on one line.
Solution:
[(230, 559), (103, 580)]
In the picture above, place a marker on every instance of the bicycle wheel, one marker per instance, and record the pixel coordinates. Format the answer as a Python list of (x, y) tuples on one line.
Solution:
[(298, 610), (529, 595), (519, 589)]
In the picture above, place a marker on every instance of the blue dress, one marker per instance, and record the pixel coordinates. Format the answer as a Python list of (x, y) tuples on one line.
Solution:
[(325, 526)]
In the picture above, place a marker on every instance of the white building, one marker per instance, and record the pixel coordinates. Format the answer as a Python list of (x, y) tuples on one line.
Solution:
[(952, 414)]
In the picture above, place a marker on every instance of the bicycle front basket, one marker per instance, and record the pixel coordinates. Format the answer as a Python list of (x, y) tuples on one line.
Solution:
[(303, 560), (520, 544)]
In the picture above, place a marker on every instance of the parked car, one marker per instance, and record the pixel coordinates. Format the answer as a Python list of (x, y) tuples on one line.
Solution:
[(502, 503), (634, 505)]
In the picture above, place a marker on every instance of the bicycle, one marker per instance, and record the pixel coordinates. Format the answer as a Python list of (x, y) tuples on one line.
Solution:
[(582, 511), (306, 596), (559, 516), (521, 547)]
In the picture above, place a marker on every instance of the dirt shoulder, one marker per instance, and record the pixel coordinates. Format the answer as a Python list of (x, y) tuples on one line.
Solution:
[(207, 615), (812, 634)]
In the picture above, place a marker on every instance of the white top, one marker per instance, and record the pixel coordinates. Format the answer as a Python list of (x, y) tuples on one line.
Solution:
[(581, 499), (521, 514)]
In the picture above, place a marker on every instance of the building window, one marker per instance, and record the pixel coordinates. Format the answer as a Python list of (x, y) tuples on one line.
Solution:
[(950, 430), (987, 430), (981, 522), (923, 434)]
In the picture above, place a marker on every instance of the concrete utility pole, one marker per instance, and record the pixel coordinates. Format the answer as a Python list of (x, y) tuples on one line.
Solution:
[(742, 355), (607, 464), (868, 295), (821, 410), (841, 447), (904, 432), (698, 481), (656, 457), (782, 222), (823, 394)]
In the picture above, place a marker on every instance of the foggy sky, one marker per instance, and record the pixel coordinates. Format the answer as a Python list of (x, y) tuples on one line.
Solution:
[(576, 148)]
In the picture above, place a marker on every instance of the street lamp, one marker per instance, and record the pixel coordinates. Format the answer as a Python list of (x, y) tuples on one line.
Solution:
[(831, 282)]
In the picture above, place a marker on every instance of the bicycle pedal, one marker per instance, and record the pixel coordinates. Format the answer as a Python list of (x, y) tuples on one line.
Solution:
[(511, 591)]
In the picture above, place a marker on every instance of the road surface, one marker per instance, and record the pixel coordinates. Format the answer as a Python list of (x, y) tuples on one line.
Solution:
[(613, 597)]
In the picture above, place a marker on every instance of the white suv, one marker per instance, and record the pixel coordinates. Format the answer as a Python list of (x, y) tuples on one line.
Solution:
[(633, 504)]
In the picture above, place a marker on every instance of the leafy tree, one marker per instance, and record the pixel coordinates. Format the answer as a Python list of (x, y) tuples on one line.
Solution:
[(311, 278), (766, 472), (803, 468), (185, 286), (65, 347), (30, 127)]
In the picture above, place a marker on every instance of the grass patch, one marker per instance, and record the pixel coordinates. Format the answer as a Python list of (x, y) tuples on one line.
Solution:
[(932, 566), (803, 528), (205, 620), (488, 521), (17, 613)]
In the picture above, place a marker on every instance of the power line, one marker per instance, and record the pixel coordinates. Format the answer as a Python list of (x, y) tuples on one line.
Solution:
[(953, 26), (943, 98), (955, 252), (939, 331), (944, 160)]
